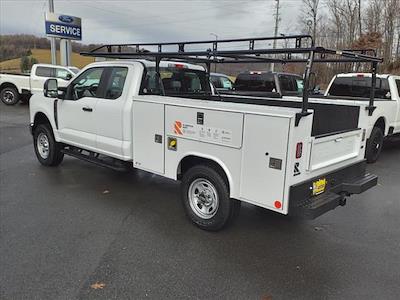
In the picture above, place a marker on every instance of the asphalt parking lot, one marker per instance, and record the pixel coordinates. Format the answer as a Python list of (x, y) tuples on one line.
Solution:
[(83, 232)]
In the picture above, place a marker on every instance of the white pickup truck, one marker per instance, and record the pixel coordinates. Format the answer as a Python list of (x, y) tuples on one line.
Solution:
[(16, 87), (385, 120), (164, 119)]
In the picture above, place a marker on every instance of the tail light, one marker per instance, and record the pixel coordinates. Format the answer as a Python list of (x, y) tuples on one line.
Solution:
[(299, 150)]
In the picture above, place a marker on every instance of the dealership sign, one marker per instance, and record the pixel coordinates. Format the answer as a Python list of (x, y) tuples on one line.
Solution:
[(63, 26)]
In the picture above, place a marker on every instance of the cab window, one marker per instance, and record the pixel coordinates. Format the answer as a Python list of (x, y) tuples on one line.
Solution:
[(176, 81), (288, 83), (44, 72), (116, 82), (88, 84)]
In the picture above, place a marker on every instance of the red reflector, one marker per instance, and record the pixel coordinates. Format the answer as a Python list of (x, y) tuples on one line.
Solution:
[(278, 204), (360, 75), (299, 150)]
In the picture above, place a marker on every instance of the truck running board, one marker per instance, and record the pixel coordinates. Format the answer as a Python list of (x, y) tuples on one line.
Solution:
[(95, 158)]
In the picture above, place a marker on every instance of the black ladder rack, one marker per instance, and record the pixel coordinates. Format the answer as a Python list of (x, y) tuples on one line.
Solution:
[(256, 50)]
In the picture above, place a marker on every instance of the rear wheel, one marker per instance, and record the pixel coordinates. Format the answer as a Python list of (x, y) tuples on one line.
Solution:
[(9, 95), (47, 150), (374, 145), (205, 197)]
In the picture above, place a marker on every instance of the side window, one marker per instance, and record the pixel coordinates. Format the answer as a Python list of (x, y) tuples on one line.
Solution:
[(151, 83), (87, 84), (44, 72), (62, 73), (116, 83), (216, 81), (287, 83), (299, 84), (226, 83)]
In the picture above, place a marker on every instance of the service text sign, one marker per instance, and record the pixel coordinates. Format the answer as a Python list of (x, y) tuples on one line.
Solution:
[(63, 26)]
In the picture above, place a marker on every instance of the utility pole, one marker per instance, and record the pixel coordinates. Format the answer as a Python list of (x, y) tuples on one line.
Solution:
[(277, 19), (53, 39)]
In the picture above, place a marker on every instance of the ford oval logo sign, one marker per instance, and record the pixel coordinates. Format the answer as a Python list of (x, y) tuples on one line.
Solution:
[(66, 19)]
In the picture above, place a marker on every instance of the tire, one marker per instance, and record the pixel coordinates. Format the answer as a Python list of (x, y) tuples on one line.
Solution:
[(9, 96), (214, 210), (374, 145), (47, 150)]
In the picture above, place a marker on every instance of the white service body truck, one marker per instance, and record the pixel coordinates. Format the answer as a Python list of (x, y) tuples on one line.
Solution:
[(15, 87), (385, 120), (114, 114)]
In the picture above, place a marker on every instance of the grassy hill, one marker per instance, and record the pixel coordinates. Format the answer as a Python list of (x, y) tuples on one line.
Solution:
[(44, 56)]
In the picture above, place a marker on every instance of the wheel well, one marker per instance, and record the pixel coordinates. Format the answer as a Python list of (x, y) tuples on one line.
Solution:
[(6, 85), (191, 160), (380, 123), (40, 118)]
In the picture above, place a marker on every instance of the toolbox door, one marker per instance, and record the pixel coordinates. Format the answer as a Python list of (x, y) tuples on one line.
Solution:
[(265, 147), (148, 136)]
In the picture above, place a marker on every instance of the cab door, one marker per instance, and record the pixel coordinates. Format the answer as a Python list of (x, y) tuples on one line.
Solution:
[(110, 116), (76, 113)]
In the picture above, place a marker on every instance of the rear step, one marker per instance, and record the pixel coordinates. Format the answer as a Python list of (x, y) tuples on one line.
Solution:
[(316, 206), (92, 157)]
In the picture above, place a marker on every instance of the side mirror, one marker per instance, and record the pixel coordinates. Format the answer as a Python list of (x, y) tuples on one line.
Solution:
[(68, 76), (50, 88)]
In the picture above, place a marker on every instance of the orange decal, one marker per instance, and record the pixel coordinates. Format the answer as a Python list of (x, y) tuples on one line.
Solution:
[(178, 127)]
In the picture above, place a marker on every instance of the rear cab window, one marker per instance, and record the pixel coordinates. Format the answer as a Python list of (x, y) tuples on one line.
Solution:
[(260, 82), (360, 87), (177, 80)]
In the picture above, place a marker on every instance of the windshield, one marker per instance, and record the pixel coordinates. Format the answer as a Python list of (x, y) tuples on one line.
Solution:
[(359, 87), (175, 82)]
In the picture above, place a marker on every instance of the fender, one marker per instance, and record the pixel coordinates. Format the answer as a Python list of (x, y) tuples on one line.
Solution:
[(232, 187), (48, 107)]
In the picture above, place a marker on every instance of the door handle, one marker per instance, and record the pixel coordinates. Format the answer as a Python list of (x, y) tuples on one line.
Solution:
[(87, 108)]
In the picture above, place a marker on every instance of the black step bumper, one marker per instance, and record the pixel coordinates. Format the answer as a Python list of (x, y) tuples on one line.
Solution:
[(340, 184)]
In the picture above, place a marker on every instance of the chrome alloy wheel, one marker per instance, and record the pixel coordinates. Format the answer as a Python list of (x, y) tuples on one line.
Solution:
[(42, 145), (203, 198), (8, 97)]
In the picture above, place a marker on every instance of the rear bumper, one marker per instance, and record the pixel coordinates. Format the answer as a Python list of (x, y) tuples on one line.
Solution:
[(341, 183)]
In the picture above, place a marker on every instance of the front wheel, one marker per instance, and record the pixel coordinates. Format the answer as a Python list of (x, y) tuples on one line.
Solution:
[(47, 150), (205, 196), (374, 145)]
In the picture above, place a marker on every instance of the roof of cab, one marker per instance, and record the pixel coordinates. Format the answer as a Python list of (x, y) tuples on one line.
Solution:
[(149, 63), (362, 75)]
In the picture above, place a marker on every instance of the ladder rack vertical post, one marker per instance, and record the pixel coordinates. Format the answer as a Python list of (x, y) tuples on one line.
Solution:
[(371, 106)]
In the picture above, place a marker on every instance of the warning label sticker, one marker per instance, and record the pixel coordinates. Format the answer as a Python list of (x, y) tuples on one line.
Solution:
[(201, 132)]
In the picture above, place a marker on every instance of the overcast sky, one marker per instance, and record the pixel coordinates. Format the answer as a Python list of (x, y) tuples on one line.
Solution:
[(105, 21)]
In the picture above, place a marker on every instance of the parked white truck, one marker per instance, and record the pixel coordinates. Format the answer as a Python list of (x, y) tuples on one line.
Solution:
[(16, 87), (160, 116), (385, 120)]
